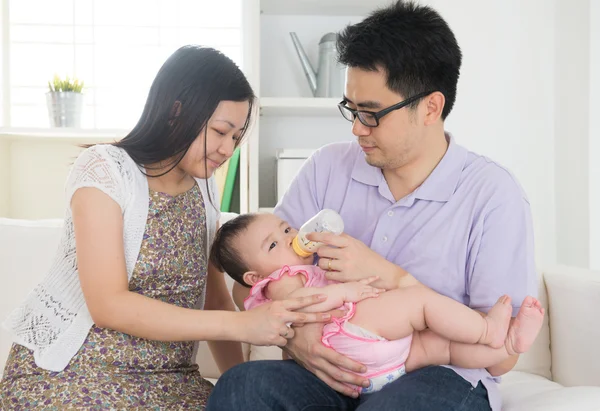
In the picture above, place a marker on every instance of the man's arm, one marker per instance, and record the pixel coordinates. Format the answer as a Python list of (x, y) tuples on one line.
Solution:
[(504, 367), (347, 259), (503, 262)]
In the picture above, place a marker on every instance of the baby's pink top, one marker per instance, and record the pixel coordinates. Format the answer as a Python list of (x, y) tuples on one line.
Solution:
[(380, 356), (315, 277)]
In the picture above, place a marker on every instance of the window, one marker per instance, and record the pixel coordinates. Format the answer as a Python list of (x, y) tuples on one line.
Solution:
[(114, 46)]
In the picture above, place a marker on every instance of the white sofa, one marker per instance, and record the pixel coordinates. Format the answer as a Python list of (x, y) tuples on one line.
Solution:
[(561, 372)]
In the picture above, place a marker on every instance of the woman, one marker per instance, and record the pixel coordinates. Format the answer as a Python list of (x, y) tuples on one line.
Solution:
[(113, 324)]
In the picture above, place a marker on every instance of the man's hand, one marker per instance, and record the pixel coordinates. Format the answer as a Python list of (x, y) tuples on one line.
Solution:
[(306, 348), (505, 366), (348, 259)]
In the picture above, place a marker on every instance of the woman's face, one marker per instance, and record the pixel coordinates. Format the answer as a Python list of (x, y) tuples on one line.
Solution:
[(223, 132)]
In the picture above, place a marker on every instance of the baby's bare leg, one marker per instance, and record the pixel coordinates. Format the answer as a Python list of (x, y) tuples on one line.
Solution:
[(429, 348), (390, 315), (397, 313)]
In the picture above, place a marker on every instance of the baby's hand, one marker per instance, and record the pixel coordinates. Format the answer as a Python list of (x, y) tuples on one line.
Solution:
[(356, 291)]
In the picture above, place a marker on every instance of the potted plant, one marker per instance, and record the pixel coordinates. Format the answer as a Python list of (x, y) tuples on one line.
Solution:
[(65, 102)]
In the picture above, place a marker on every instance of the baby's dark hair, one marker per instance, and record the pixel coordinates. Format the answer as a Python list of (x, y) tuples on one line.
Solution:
[(224, 255)]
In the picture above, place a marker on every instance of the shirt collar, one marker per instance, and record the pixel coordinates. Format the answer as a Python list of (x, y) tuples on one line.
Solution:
[(443, 180), (365, 173), (439, 186)]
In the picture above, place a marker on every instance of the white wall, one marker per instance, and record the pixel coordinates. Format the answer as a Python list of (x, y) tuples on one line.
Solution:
[(572, 65), (4, 177), (505, 99), (594, 134), (33, 172), (38, 191)]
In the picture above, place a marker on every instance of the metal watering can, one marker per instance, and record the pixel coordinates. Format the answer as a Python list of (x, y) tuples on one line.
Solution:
[(328, 80)]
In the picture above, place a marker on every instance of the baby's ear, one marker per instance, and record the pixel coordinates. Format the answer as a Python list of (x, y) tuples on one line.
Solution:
[(251, 277)]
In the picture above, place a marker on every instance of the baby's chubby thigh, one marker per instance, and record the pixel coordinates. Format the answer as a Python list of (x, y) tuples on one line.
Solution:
[(390, 315)]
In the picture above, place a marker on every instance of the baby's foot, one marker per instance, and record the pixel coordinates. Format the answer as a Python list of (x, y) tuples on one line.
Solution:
[(497, 322), (525, 328)]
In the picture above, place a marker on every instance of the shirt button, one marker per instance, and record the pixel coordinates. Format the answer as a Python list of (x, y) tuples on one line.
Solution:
[(384, 238), (390, 213)]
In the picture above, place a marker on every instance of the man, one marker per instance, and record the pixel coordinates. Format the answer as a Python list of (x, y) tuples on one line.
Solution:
[(413, 201)]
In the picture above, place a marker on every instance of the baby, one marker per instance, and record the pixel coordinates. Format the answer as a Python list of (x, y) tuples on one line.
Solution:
[(385, 331)]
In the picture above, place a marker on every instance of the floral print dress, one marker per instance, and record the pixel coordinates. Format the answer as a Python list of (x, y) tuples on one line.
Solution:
[(113, 370)]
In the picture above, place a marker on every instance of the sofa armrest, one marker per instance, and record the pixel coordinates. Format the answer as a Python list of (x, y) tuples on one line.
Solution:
[(574, 309)]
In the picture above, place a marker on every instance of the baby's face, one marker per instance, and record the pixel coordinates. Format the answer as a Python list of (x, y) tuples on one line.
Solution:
[(266, 245)]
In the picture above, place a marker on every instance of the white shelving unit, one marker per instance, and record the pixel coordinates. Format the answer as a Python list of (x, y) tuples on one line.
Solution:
[(298, 106), (289, 116), (61, 134)]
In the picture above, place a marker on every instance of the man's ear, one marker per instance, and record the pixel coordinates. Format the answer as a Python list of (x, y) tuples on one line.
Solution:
[(251, 277), (434, 107)]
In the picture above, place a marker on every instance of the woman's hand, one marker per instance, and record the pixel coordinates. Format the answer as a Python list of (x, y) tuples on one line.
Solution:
[(268, 323), (328, 365), (348, 259)]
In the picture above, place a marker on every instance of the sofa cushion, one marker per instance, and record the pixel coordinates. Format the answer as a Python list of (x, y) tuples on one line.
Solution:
[(264, 353), (527, 392), (26, 251), (574, 295)]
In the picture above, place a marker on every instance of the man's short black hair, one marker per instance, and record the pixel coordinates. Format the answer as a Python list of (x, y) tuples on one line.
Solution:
[(224, 255), (412, 43)]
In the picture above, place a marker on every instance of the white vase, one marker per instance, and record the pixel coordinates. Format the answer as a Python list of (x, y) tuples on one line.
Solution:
[(64, 108)]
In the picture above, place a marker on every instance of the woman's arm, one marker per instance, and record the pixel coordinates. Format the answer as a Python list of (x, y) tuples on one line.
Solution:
[(98, 227), (226, 353), (240, 293), (337, 294)]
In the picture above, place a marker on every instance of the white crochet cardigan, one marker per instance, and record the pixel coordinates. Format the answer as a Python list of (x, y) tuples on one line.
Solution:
[(54, 320)]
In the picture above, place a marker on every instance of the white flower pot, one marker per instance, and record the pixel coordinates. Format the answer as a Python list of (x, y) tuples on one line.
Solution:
[(64, 108)]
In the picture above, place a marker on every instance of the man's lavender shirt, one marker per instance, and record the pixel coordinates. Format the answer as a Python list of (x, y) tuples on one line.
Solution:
[(466, 232)]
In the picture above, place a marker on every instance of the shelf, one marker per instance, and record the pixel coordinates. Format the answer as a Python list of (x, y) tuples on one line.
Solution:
[(275, 106), (61, 134), (322, 7)]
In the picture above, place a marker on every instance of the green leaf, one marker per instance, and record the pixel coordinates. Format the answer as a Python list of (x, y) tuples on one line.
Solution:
[(58, 84)]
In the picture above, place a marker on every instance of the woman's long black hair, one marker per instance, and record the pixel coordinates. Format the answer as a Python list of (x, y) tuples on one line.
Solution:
[(184, 95)]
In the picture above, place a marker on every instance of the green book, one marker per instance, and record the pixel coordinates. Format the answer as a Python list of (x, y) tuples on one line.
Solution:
[(230, 181)]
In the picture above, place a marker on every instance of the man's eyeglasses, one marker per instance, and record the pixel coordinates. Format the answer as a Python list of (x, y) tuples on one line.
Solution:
[(371, 118)]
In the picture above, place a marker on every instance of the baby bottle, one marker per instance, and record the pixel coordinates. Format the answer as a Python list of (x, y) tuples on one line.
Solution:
[(325, 221)]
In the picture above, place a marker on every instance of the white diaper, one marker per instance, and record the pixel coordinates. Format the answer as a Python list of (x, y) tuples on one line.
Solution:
[(361, 332), (377, 383)]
